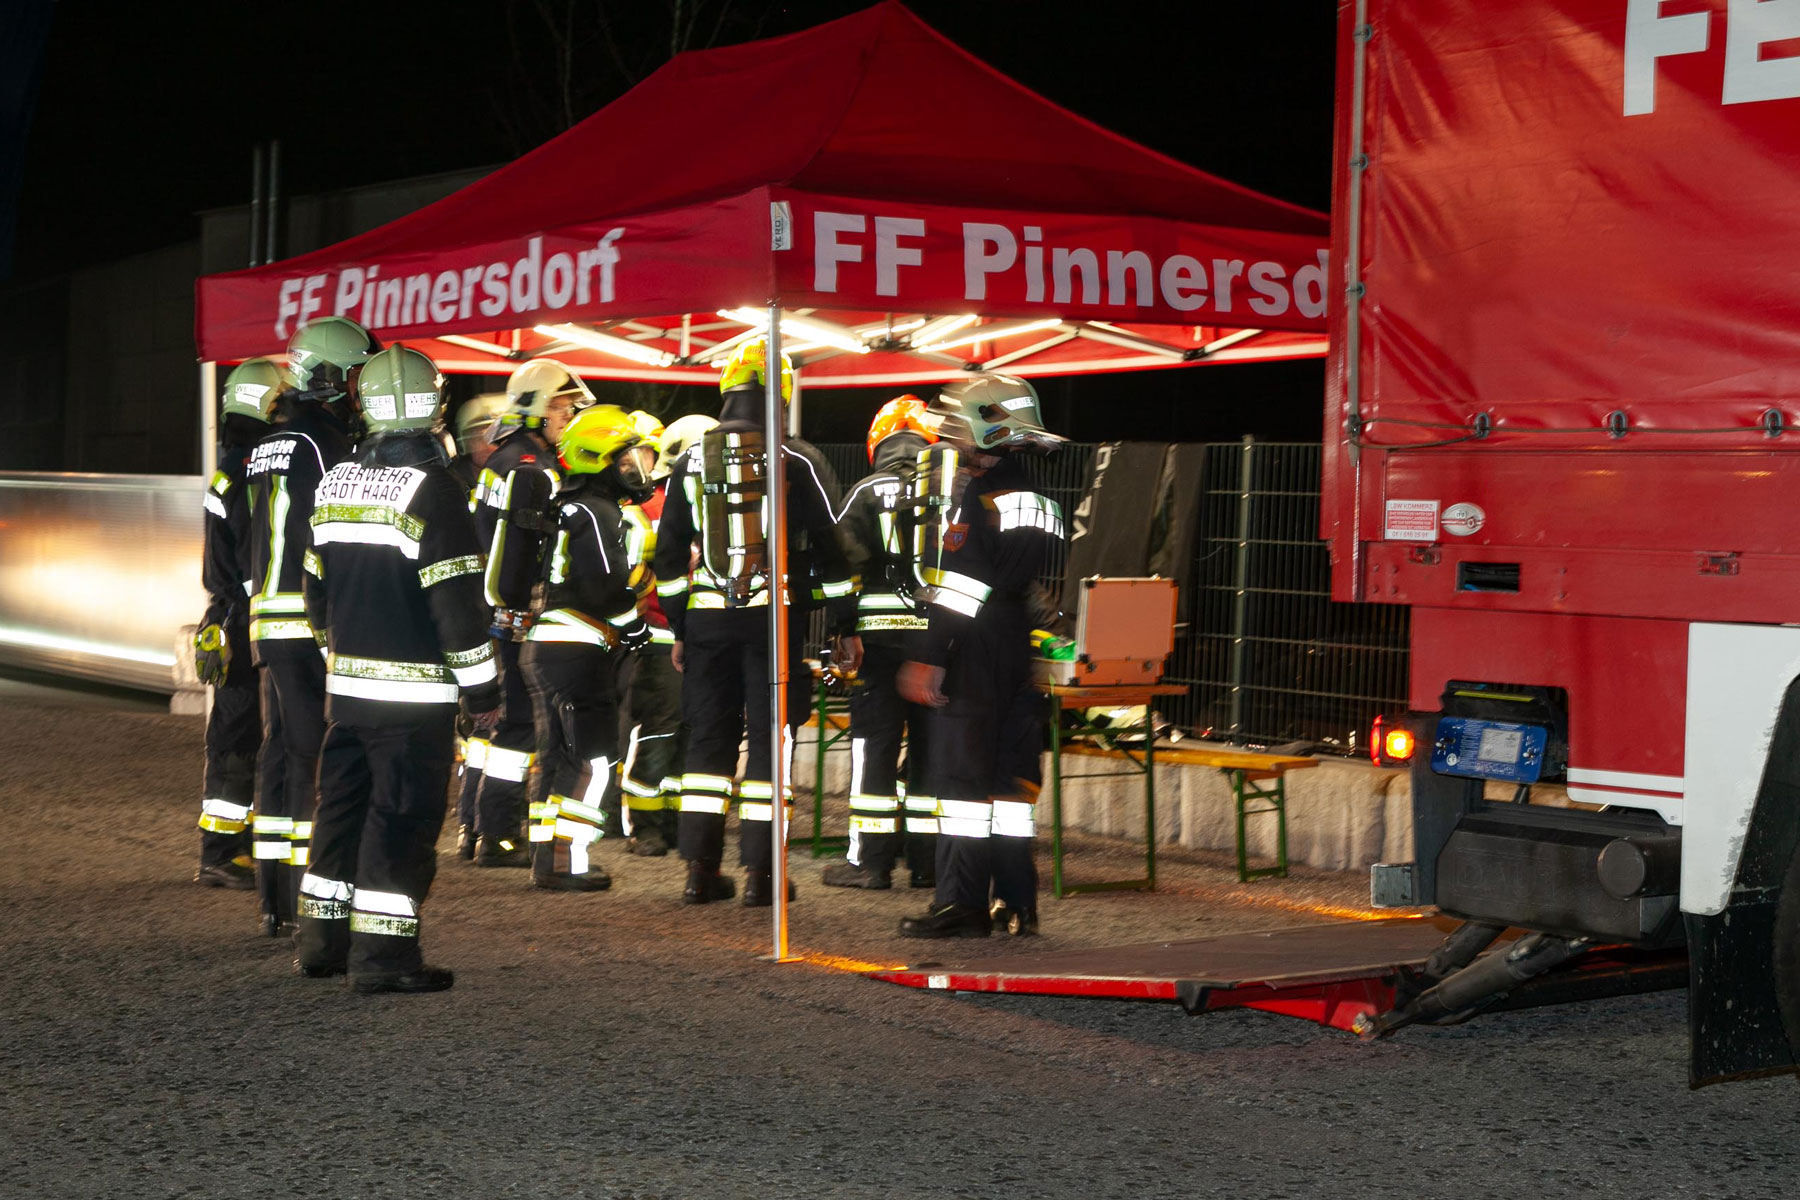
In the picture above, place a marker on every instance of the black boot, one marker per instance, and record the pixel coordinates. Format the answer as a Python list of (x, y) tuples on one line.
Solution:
[(947, 921), (759, 889), (852, 875), (921, 859), (705, 884), (417, 979), (647, 841), (594, 879), (272, 926), (465, 842), (226, 875), (1018, 921), (501, 852)]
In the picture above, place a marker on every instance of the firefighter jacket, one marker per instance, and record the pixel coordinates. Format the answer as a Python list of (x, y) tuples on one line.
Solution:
[(514, 551), (815, 559), (225, 557), (590, 586), (640, 549), (876, 529), (283, 474), (983, 541), (393, 585)]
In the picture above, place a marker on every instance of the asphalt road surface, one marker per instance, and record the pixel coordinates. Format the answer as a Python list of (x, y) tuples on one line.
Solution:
[(621, 1045)]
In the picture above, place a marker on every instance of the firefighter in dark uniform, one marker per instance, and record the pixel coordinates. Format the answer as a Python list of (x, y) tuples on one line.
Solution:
[(719, 615), (648, 787), (985, 537), (877, 530), (393, 586), (222, 639), (472, 444), (282, 474), (542, 395), (474, 423), (589, 622)]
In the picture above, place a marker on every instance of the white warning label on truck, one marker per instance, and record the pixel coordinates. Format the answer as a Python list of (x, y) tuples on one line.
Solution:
[(1411, 521)]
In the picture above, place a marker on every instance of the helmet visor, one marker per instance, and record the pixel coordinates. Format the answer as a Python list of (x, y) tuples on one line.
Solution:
[(635, 465)]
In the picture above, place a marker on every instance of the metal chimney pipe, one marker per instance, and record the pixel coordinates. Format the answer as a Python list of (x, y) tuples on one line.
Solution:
[(256, 199), (272, 212)]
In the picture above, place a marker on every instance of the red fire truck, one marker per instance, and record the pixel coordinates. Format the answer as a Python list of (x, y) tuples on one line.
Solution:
[(1563, 425)]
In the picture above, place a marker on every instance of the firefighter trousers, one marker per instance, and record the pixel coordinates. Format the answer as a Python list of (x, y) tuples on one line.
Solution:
[(987, 746), (499, 806), (383, 790), (724, 694), (233, 734), (881, 806), (575, 693), (647, 791), (293, 713)]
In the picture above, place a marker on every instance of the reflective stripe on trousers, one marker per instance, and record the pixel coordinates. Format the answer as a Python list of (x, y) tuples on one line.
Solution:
[(1014, 818), (965, 818)]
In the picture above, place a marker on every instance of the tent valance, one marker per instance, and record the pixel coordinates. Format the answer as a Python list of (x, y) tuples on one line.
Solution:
[(853, 193)]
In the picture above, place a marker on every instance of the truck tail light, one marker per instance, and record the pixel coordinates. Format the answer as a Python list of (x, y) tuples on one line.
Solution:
[(1391, 743)]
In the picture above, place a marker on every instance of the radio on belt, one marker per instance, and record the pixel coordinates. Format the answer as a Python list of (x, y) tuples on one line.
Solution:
[(1478, 749)]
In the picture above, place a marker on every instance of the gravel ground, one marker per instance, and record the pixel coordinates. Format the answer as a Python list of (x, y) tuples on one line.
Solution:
[(620, 1045)]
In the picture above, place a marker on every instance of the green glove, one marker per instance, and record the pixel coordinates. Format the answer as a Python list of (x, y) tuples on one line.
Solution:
[(1048, 645), (212, 654)]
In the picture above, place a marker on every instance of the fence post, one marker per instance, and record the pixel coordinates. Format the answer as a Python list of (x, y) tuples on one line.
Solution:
[(1240, 605)]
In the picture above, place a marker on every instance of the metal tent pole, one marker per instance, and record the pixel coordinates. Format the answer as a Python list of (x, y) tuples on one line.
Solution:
[(775, 536), (209, 455)]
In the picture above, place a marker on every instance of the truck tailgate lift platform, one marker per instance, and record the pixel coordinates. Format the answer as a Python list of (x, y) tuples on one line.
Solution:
[(1333, 974)]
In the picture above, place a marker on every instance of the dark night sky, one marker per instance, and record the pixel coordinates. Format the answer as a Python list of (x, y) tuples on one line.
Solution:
[(148, 111)]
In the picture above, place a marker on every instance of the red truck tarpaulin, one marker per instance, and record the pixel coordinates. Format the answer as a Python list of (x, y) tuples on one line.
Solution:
[(911, 208)]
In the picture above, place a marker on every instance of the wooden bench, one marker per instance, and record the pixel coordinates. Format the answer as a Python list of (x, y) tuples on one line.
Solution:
[(1258, 784)]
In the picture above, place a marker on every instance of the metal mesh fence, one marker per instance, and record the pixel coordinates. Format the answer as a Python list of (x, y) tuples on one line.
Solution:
[(1268, 656)]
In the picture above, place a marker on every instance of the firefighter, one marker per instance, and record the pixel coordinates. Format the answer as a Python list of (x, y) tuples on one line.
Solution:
[(649, 691), (393, 587), (471, 447), (589, 623), (877, 529), (222, 639), (542, 396), (472, 444), (654, 736), (718, 613), (282, 475), (984, 538)]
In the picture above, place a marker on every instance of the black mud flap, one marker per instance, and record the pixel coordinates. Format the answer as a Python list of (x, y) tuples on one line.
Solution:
[(1738, 958), (1734, 1015)]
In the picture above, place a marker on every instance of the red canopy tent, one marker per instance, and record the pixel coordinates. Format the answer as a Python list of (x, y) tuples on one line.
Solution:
[(885, 206), (913, 210)]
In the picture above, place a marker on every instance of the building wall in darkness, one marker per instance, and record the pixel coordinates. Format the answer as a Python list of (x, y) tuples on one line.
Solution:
[(132, 385), (34, 328), (97, 368)]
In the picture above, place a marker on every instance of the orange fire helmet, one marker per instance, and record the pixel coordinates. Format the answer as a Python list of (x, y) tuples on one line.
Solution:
[(901, 414)]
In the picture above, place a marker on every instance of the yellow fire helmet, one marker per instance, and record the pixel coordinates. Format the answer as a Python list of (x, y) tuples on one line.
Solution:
[(595, 437), (648, 427), (747, 368)]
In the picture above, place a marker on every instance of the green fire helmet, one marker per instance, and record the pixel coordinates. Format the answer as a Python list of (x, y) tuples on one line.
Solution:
[(323, 357), (401, 392), (251, 388), (475, 420), (993, 414), (532, 388)]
